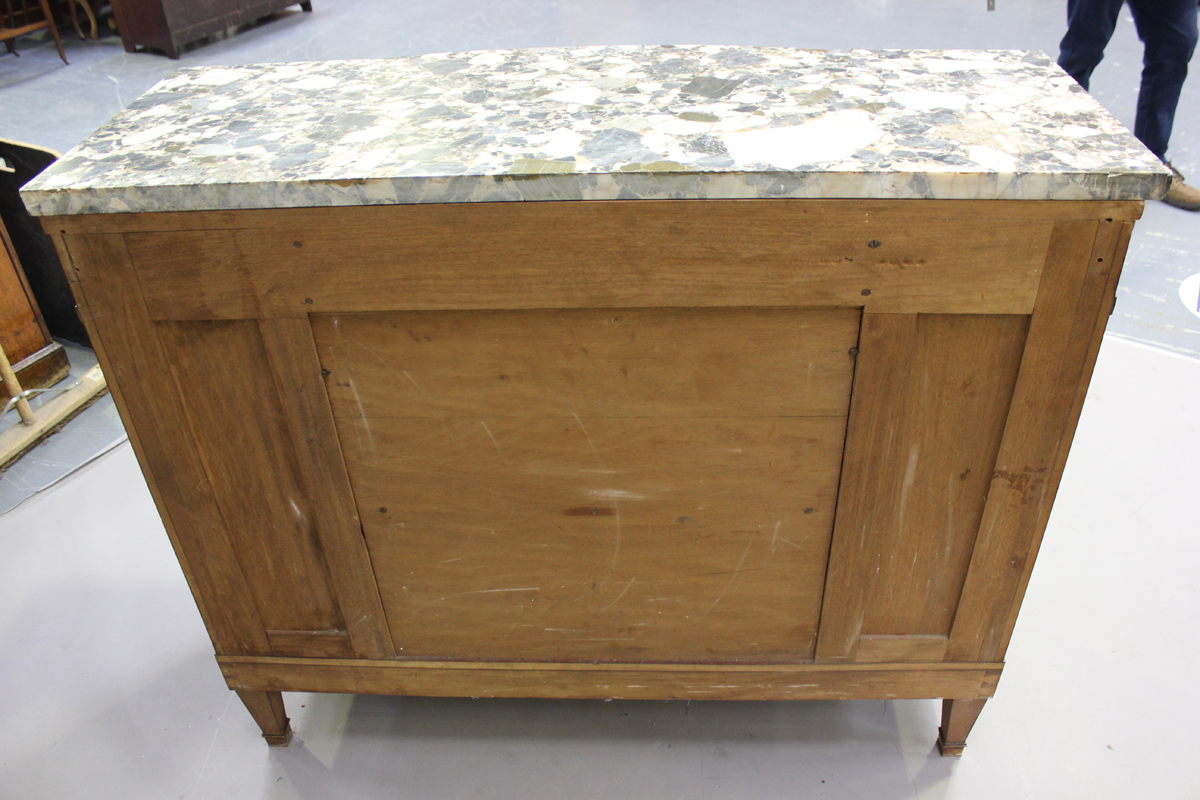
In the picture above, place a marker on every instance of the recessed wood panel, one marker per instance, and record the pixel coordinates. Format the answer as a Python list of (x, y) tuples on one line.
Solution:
[(138, 368), (241, 433), (598, 538), (654, 485), (931, 396)]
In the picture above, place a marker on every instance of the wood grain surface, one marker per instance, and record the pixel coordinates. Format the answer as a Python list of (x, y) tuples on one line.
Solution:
[(723, 449), (591, 255), (591, 363), (931, 396), (238, 425), (618, 681), (140, 378), (838, 212), (584, 485), (1064, 335)]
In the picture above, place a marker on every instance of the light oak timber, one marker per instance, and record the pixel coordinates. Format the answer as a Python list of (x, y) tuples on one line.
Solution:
[(139, 378), (958, 717), (931, 394), (292, 356), (240, 431), (615, 681), (1109, 298), (597, 255), (1038, 430), (678, 539), (311, 644), (634, 362), (647, 485), (267, 710), (726, 362), (838, 210), (902, 649)]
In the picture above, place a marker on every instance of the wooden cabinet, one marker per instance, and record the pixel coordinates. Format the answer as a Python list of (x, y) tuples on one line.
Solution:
[(168, 25), (38, 360), (632, 372), (683, 469)]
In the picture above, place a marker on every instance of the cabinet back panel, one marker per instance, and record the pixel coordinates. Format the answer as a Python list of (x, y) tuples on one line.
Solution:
[(595, 485)]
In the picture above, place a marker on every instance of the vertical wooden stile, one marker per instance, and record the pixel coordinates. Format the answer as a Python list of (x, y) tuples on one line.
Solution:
[(139, 376)]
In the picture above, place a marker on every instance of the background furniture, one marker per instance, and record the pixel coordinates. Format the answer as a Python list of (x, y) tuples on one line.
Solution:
[(18, 17), (670, 432), (168, 25), (37, 360), (34, 249)]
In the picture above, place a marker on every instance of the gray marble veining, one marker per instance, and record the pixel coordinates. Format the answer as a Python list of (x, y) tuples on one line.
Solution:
[(602, 123)]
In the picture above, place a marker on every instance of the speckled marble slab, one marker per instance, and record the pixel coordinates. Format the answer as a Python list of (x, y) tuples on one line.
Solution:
[(605, 123)]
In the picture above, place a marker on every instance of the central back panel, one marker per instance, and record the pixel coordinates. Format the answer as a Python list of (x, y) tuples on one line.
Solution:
[(582, 485)]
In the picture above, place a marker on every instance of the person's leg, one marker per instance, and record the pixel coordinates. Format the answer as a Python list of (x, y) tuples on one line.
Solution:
[(1168, 29), (1090, 24)]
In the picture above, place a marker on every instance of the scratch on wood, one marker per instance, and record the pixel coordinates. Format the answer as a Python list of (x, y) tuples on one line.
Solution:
[(362, 414), (477, 591), (617, 494), (493, 438), (385, 363), (418, 386), (736, 571), (949, 513), (910, 475), (617, 548), (624, 591), (589, 438)]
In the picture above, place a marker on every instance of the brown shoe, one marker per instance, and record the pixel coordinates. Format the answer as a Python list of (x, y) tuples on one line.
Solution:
[(1180, 194)]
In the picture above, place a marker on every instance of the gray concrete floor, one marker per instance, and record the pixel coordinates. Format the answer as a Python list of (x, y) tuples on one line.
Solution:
[(107, 684)]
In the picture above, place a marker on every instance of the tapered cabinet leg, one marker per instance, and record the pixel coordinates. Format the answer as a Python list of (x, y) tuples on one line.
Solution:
[(267, 710), (958, 717)]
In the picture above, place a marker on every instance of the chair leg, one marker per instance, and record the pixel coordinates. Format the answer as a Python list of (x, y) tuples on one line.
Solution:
[(87, 9), (53, 30), (958, 716), (267, 710), (75, 21)]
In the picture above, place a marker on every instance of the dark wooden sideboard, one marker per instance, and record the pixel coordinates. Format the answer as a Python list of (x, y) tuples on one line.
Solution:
[(168, 25)]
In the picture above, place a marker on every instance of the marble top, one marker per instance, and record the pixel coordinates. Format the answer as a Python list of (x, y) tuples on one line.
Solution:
[(605, 123)]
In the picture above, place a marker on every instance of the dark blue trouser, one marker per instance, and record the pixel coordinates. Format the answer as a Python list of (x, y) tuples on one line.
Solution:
[(1166, 27)]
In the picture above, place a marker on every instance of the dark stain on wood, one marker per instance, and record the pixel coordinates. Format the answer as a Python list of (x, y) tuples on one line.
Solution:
[(589, 511)]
